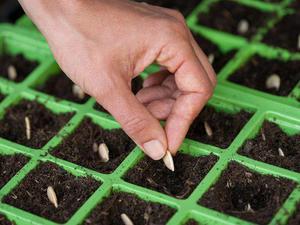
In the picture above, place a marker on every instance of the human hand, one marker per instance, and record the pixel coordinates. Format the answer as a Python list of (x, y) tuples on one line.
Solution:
[(102, 45)]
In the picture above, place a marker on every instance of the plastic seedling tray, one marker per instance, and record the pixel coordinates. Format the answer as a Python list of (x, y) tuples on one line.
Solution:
[(229, 98)]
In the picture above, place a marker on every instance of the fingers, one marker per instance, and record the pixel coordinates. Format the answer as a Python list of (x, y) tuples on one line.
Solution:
[(136, 120), (156, 78), (161, 109)]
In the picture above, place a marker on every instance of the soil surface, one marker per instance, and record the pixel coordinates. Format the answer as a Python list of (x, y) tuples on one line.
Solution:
[(267, 150), (185, 7), (5, 221), (220, 59), (295, 219), (285, 33), (255, 73), (54, 84), (139, 211), (189, 172), (192, 222), (78, 147), (9, 166), (226, 15), (23, 66), (1, 97), (245, 194), (44, 124), (136, 85), (225, 127), (71, 191)]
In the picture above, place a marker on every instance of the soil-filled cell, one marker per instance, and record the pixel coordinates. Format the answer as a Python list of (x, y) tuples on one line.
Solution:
[(136, 209), (79, 147), (192, 222), (295, 219), (274, 146), (31, 124), (62, 87), (16, 68), (71, 192), (5, 221), (245, 194), (234, 18), (217, 128), (189, 172)]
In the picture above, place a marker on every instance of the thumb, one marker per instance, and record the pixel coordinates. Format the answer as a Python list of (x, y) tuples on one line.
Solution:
[(136, 120)]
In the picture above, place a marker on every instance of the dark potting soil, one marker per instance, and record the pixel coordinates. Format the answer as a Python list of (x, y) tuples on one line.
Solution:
[(5, 221), (225, 127), (54, 84), (192, 222), (1, 97), (78, 147), (44, 124), (295, 219), (248, 195), (189, 172), (23, 66), (9, 166), (71, 191), (136, 85), (226, 15), (267, 150), (139, 211), (220, 59), (256, 71), (185, 7), (285, 33)]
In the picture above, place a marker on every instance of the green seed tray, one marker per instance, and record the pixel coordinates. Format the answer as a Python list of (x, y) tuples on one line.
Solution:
[(228, 97)]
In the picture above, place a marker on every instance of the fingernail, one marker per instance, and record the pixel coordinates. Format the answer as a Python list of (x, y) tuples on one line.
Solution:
[(154, 149)]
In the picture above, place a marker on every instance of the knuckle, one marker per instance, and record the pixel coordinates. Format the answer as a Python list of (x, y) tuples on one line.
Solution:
[(135, 126)]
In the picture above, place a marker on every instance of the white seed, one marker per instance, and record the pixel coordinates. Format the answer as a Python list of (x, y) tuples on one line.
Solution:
[(52, 196), (77, 91), (280, 152), (12, 72), (103, 152), (95, 147), (263, 135), (169, 162), (298, 46), (249, 208), (243, 26), (273, 81), (126, 220), (28, 128), (208, 129), (211, 58), (229, 184)]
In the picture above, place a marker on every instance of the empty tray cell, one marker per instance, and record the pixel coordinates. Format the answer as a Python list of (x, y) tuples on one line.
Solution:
[(16, 67), (31, 124), (82, 147), (268, 75), (62, 87), (71, 192), (217, 128), (189, 172), (245, 194), (274, 146), (9, 167), (234, 18), (119, 205)]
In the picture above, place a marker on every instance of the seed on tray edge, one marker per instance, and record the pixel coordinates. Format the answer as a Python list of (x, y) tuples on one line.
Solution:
[(280, 152), (52, 196), (12, 72), (168, 161), (77, 91), (208, 129), (273, 81), (243, 26), (126, 220), (28, 128), (103, 152), (211, 58)]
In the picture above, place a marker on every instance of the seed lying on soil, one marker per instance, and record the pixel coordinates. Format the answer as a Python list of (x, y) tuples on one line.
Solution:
[(103, 152), (77, 91), (211, 58), (169, 162), (28, 128), (243, 26), (95, 147), (12, 72), (273, 81), (263, 135), (52, 196), (126, 220), (280, 152), (208, 129), (249, 208)]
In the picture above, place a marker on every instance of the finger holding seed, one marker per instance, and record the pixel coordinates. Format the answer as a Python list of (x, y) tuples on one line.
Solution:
[(169, 162), (126, 220), (52, 196)]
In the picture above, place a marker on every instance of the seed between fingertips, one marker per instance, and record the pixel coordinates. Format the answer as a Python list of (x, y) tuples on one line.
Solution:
[(52, 196), (169, 162), (126, 220)]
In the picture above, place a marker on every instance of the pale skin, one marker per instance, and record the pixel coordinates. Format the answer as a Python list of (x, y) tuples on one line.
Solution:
[(102, 45)]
